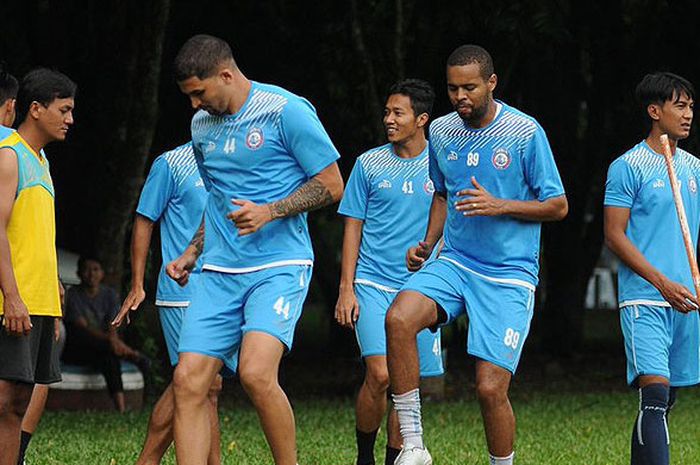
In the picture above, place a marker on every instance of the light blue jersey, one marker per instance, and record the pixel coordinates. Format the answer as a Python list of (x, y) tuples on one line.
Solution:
[(5, 131), (174, 193), (263, 153), (638, 180), (511, 159), (392, 196)]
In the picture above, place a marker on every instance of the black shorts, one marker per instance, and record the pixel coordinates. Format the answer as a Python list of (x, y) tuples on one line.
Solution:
[(32, 358)]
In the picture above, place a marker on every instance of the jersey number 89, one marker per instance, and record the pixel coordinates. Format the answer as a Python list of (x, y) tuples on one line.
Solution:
[(512, 338)]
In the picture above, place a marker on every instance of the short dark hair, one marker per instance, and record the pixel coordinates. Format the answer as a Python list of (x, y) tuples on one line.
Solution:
[(468, 54), (661, 87), (8, 84), (418, 91), (200, 57), (43, 85)]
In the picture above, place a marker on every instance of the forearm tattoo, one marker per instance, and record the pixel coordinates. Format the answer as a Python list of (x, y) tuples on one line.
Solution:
[(309, 196), (198, 239)]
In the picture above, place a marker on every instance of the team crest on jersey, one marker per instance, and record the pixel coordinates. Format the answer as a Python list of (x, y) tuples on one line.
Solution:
[(429, 187), (501, 159), (692, 185), (255, 138)]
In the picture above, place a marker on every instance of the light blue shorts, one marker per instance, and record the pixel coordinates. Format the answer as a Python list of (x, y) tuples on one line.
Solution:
[(499, 310), (660, 341), (227, 305), (171, 322), (371, 335)]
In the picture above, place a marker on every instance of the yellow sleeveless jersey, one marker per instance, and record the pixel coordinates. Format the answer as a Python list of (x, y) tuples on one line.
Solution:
[(32, 231)]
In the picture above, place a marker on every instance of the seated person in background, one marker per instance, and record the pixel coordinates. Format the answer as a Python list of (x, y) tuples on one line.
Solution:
[(91, 339)]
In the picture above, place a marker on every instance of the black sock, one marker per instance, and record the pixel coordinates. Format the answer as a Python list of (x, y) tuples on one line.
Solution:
[(365, 447), (23, 443), (391, 454), (650, 435)]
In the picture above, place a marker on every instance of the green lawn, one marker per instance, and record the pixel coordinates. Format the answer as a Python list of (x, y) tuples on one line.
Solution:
[(553, 428)]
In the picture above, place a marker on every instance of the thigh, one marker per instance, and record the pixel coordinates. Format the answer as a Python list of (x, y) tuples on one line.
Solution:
[(275, 300), (171, 319), (647, 331), (499, 320), (684, 356), (369, 328), (213, 321), (439, 281)]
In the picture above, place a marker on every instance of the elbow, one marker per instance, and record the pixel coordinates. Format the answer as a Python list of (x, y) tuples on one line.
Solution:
[(336, 189), (561, 210)]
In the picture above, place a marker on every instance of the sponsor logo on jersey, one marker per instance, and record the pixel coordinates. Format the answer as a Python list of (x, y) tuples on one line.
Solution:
[(429, 187), (692, 185), (452, 156), (501, 159), (255, 138), (385, 184), (211, 146), (658, 184)]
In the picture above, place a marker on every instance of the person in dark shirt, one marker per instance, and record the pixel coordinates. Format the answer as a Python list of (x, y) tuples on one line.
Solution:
[(91, 339)]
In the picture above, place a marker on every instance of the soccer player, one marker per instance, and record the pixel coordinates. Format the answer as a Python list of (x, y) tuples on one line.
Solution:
[(494, 172), (28, 264), (266, 160), (657, 309), (173, 195), (386, 205)]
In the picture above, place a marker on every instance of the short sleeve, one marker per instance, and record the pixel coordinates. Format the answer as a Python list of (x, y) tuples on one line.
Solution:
[(356, 195), (541, 173), (434, 171), (305, 137), (157, 190), (621, 185)]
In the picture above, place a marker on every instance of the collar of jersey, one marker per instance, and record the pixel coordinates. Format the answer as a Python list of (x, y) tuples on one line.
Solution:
[(408, 160), (500, 109)]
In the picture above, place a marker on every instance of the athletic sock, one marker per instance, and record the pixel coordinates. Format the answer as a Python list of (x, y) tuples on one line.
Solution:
[(23, 443), (407, 408), (493, 460), (365, 446), (650, 434), (391, 454)]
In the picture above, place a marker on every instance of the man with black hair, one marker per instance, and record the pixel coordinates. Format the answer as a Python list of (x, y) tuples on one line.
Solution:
[(266, 160), (658, 310), (386, 205), (91, 339), (8, 100), (30, 296), (494, 174)]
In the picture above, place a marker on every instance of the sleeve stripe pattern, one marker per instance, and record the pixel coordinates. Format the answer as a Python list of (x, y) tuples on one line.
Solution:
[(182, 163), (384, 162)]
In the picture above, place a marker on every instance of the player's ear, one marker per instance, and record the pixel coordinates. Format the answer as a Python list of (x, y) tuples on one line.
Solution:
[(35, 109), (226, 75), (654, 110), (422, 120), (492, 82)]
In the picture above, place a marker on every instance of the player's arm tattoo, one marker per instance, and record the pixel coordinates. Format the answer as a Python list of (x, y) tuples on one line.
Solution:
[(310, 196), (198, 240)]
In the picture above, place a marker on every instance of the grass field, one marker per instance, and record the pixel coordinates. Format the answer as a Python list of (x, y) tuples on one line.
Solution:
[(563, 428)]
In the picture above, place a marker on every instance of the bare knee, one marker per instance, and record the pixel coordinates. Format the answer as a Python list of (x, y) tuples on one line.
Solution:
[(14, 400), (377, 379), (185, 387), (257, 380), (410, 312), (491, 391)]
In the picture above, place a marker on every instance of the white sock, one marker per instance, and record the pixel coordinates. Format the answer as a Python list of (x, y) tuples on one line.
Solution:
[(501, 460), (407, 408)]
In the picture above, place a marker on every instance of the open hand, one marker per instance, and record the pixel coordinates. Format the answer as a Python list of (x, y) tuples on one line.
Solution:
[(347, 310), (678, 296), (131, 303), (16, 316)]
